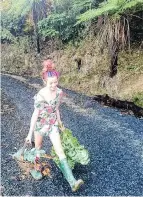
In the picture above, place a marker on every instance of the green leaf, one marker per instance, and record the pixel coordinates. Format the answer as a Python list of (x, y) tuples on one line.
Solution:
[(75, 152)]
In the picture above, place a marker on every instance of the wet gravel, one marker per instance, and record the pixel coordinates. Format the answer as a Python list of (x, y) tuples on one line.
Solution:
[(114, 141)]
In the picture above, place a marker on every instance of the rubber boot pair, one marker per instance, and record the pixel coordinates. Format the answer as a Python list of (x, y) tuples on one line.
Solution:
[(67, 172)]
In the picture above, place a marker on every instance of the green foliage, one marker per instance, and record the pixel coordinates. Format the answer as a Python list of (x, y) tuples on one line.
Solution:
[(12, 20), (74, 5), (57, 25), (20, 8), (57, 18), (21, 16), (81, 6), (111, 7), (138, 99), (75, 153), (60, 23), (6, 35), (132, 6), (48, 32), (113, 29)]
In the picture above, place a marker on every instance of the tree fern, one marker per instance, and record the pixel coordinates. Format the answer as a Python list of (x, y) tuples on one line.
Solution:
[(111, 7), (132, 6), (104, 8), (114, 28)]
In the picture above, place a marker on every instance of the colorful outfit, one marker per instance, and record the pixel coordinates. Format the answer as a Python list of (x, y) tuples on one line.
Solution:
[(47, 123), (47, 119)]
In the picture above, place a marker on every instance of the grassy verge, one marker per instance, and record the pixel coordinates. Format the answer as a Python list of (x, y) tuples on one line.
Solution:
[(93, 76)]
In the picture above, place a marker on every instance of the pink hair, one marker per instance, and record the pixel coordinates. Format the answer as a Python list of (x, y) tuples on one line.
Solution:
[(49, 69)]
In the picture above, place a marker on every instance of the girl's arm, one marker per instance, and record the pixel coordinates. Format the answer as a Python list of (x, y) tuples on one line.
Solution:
[(58, 117), (58, 112), (62, 127), (33, 121)]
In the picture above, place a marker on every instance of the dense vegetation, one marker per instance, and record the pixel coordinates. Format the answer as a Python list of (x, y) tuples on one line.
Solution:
[(72, 20), (111, 26)]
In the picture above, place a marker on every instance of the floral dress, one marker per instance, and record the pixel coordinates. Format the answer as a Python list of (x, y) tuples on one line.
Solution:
[(47, 119)]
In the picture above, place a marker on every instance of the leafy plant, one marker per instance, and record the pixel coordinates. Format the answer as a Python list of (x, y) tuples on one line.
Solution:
[(6, 35), (75, 152), (60, 22), (138, 99)]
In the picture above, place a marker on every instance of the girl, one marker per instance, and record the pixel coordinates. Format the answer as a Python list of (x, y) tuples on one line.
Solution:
[(46, 119)]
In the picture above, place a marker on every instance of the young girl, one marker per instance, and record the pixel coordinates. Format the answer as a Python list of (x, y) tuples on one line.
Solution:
[(46, 119)]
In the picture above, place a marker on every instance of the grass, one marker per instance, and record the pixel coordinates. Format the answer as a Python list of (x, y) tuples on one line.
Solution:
[(93, 77), (138, 99)]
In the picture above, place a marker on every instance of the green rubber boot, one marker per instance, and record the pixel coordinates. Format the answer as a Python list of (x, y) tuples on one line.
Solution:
[(67, 172), (36, 174)]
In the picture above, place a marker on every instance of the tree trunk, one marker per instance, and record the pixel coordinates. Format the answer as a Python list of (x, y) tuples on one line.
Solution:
[(114, 59), (36, 38), (38, 44)]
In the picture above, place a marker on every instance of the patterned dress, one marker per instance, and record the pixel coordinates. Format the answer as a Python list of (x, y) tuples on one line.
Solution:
[(47, 119)]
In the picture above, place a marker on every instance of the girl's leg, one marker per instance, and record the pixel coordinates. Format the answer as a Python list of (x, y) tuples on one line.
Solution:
[(64, 166), (38, 140), (36, 174), (56, 141)]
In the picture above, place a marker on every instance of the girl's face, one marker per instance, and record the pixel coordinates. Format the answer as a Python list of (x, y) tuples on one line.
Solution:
[(52, 83)]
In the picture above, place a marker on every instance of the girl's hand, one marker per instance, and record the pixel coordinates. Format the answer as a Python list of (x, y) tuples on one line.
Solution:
[(28, 139), (61, 126)]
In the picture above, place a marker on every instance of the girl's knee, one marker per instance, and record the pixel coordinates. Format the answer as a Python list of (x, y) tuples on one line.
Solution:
[(60, 154), (38, 146), (38, 141)]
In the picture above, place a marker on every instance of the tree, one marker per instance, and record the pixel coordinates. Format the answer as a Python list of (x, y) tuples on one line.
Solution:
[(61, 21), (22, 17), (113, 17)]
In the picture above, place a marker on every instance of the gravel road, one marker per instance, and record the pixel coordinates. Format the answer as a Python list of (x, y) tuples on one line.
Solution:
[(114, 141)]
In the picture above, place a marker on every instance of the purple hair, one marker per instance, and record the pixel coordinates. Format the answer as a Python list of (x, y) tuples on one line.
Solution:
[(53, 73)]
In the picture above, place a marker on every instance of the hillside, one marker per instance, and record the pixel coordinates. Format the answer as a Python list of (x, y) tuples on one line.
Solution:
[(83, 68)]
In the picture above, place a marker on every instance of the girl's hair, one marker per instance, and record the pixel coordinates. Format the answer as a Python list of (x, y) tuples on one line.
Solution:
[(49, 70)]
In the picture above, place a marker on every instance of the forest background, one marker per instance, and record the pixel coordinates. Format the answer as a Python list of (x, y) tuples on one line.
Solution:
[(97, 45)]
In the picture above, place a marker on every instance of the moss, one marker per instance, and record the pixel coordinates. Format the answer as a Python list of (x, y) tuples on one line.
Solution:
[(138, 99)]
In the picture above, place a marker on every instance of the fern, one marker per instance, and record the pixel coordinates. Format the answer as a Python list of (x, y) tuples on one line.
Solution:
[(132, 6), (111, 7), (6, 35), (23, 16), (81, 5), (104, 8)]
